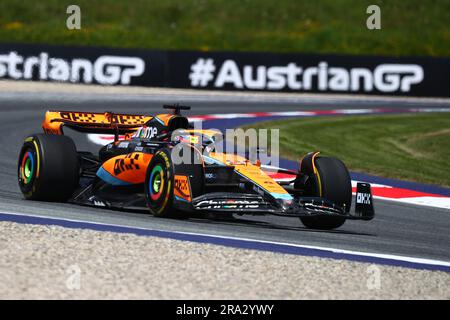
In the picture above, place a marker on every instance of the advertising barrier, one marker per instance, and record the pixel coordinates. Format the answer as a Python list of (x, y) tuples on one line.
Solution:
[(249, 71)]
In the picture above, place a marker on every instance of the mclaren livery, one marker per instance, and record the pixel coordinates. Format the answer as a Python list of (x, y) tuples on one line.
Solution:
[(162, 165)]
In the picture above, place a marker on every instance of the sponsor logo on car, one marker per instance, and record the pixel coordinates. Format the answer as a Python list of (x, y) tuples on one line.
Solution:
[(145, 133), (228, 204), (210, 176), (182, 188), (127, 163), (86, 117), (123, 144), (363, 198)]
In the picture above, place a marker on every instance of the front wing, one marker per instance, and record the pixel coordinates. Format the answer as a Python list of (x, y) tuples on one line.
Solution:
[(256, 204), (132, 198)]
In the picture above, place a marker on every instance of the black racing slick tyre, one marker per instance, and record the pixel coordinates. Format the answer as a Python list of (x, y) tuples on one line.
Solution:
[(48, 168), (159, 185), (335, 185)]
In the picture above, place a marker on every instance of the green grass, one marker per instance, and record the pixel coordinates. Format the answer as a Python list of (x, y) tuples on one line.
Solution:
[(412, 147), (409, 27)]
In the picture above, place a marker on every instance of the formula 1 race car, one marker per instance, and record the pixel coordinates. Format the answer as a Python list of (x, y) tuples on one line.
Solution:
[(138, 171)]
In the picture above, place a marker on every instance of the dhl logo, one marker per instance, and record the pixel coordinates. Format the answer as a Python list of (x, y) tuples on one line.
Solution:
[(87, 117), (127, 163), (128, 119), (78, 116), (130, 168), (182, 188)]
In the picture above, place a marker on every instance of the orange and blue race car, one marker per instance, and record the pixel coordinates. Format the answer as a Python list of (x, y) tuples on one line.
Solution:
[(138, 171)]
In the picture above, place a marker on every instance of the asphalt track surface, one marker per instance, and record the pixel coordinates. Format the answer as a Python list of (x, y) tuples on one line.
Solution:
[(399, 229)]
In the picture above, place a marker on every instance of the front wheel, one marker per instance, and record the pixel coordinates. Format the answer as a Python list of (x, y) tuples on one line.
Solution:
[(159, 185), (334, 184)]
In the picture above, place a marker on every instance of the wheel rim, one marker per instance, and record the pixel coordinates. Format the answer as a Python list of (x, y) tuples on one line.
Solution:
[(27, 168), (156, 183)]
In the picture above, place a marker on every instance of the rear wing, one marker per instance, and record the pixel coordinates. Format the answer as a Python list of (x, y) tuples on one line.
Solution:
[(108, 122)]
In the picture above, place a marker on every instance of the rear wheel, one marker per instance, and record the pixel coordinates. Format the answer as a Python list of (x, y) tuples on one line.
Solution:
[(48, 168), (335, 185)]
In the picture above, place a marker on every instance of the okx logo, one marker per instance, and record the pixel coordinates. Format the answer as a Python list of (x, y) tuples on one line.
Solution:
[(363, 198), (321, 77), (106, 69)]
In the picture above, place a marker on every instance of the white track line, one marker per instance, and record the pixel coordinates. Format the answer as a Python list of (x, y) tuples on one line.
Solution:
[(431, 262)]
